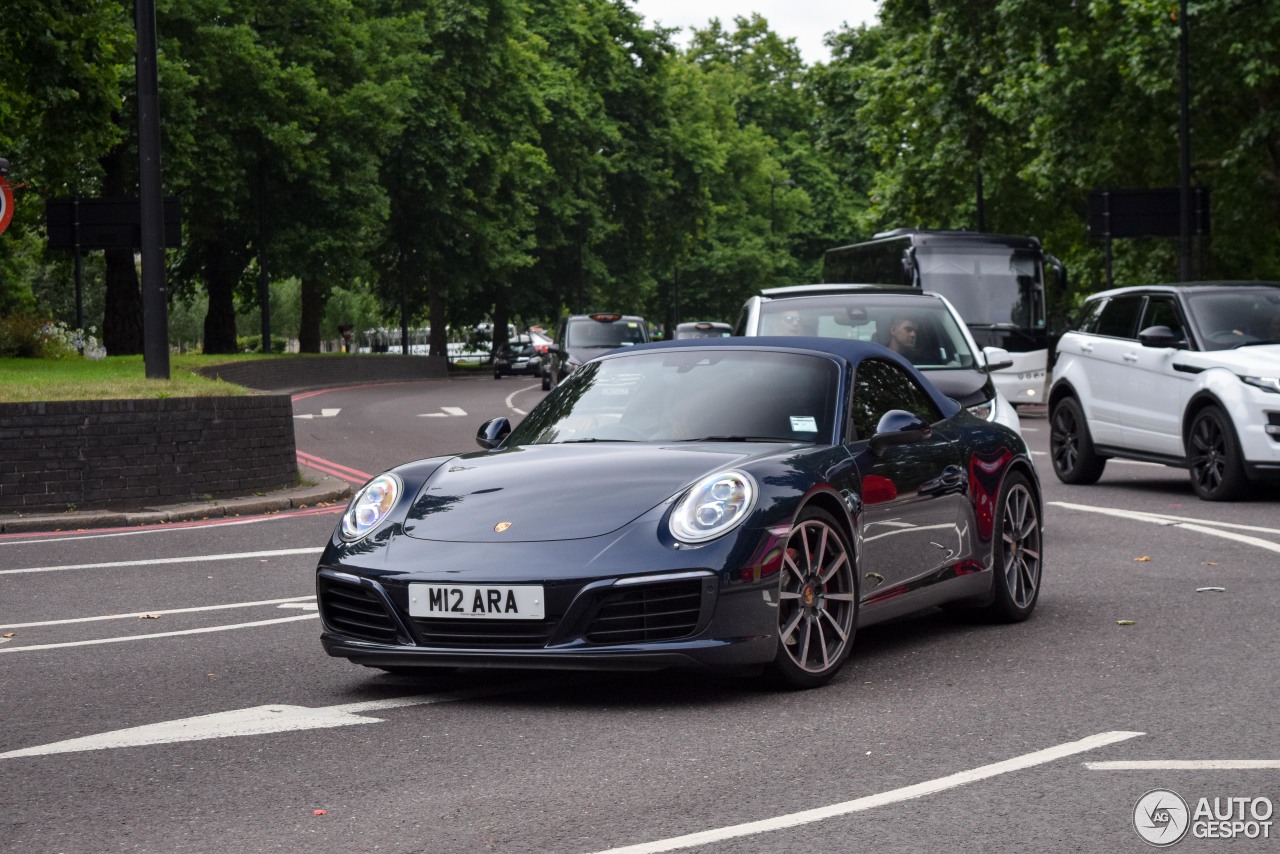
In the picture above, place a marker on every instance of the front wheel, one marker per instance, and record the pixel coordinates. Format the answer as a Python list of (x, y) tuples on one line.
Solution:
[(1071, 446), (817, 602), (1217, 471)]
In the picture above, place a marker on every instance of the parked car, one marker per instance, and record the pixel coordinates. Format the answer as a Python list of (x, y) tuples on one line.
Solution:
[(943, 349), (581, 337), (702, 329), (519, 356), (686, 529), (1185, 374)]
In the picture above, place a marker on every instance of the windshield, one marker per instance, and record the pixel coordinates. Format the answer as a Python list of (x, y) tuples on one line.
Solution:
[(991, 287), (686, 394), (929, 335), (587, 333), (1230, 319)]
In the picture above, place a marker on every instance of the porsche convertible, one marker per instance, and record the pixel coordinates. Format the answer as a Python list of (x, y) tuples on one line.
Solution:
[(742, 505)]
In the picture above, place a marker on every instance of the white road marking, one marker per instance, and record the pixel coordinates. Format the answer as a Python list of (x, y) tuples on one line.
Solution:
[(301, 606), (453, 410), (202, 631), (510, 401), (1198, 526), (324, 413), (160, 561), (295, 601), (1186, 765), (1018, 763), (200, 526), (259, 720)]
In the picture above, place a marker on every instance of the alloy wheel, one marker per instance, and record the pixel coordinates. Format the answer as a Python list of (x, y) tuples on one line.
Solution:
[(817, 602)]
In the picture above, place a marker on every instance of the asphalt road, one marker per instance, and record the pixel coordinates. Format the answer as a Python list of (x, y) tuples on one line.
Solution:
[(164, 690)]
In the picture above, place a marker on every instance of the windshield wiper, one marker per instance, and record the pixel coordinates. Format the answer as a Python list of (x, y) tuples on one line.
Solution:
[(734, 438), (583, 441)]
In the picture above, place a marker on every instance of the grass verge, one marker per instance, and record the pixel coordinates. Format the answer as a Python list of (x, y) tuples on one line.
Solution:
[(112, 378)]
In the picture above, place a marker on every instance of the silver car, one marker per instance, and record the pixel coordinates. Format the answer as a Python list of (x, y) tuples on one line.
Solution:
[(922, 326)]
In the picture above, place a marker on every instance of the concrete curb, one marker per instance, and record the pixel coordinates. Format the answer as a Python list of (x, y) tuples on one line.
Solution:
[(327, 490)]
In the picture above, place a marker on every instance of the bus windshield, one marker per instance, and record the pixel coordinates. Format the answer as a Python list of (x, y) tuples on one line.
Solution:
[(990, 286)]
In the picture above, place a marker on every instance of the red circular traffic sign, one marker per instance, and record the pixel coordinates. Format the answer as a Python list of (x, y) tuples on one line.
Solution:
[(6, 204)]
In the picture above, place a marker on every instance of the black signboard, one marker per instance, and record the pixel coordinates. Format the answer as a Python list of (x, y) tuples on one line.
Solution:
[(1145, 213), (106, 223)]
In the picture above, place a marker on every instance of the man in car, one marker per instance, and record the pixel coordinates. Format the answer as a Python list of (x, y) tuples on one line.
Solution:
[(902, 335)]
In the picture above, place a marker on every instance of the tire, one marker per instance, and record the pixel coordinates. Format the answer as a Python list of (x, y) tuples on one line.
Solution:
[(1071, 447), (817, 603), (497, 374), (546, 382), (1213, 455), (1016, 553)]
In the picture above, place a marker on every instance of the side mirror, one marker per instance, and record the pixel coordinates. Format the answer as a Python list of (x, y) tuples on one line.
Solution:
[(1160, 336), (493, 433), (997, 358), (898, 427)]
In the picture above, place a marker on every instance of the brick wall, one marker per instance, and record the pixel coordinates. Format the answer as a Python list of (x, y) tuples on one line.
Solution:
[(113, 454)]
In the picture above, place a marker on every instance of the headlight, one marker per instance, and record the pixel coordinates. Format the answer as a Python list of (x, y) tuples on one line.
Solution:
[(1271, 384), (370, 506), (986, 411), (714, 506)]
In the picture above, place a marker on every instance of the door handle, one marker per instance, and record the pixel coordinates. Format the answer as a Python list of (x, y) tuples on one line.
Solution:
[(1130, 357), (1086, 347)]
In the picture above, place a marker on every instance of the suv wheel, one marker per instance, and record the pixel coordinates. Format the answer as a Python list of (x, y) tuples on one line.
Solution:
[(1071, 447), (1217, 472)]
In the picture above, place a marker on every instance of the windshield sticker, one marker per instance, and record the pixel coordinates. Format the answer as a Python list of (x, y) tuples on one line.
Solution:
[(804, 424)]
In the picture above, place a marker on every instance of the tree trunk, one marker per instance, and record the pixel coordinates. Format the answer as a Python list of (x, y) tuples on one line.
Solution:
[(220, 320), (435, 311), (314, 297), (122, 333), (122, 314)]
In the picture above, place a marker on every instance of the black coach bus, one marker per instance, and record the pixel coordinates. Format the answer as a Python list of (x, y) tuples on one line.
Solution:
[(995, 281)]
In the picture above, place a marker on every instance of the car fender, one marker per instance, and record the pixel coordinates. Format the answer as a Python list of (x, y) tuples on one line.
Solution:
[(1221, 388)]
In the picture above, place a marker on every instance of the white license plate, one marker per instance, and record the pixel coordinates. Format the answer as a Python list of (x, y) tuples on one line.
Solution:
[(476, 601)]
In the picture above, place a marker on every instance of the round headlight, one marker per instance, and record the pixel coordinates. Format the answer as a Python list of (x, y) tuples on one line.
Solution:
[(714, 506), (370, 506)]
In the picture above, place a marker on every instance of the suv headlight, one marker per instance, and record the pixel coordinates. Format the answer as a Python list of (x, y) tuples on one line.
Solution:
[(714, 506), (370, 506), (1271, 384)]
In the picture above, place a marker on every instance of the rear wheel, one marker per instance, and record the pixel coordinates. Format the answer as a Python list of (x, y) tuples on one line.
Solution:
[(1017, 553), (546, 382), (817, 603), (1070, 445), (1217, 470)]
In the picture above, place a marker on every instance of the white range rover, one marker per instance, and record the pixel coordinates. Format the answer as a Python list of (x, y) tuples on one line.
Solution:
[(1182, 374)]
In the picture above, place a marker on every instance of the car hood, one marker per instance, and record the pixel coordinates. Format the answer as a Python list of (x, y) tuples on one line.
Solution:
[(966, 387), (1251, 361), (558, 492)]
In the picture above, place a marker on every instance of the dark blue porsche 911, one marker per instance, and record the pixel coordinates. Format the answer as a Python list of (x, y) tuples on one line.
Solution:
[(739, 504)]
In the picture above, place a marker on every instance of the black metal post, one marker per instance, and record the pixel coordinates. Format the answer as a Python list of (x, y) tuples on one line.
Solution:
[(264, 283), (75, 237), (155, 308), (982, 211), (1184, 144)]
